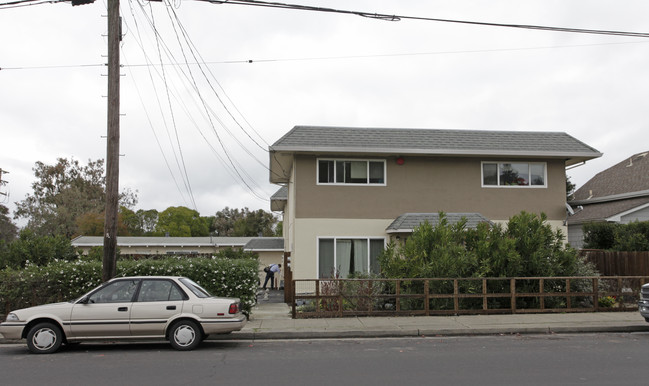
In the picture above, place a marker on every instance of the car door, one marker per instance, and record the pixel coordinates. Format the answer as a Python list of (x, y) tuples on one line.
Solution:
[(158, 301), (106, 312)]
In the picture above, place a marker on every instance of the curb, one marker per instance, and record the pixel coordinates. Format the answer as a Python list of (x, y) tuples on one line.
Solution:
[(414, 333)]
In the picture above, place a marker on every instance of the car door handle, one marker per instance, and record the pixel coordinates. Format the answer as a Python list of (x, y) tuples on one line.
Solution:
[(122, 309), (171, 307)]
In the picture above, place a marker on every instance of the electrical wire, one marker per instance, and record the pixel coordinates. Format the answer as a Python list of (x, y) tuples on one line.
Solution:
[(388, 17)]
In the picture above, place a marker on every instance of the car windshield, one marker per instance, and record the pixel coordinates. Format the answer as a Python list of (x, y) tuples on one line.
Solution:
[(195, 288)]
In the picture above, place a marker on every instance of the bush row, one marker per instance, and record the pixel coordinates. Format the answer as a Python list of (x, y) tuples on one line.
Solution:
[(629, 237), (67, 280)]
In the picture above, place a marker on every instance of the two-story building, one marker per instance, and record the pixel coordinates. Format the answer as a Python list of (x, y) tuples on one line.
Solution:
[(343, 188)]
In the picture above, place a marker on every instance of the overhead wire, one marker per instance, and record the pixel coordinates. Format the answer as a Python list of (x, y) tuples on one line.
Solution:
[(139, 40), (394, 17), (176, 21)]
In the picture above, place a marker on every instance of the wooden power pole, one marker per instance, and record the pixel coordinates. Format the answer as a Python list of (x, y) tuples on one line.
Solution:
[(109, 266)]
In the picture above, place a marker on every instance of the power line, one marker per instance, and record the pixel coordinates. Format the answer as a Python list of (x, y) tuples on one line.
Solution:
[(329, 58), (388, 17)]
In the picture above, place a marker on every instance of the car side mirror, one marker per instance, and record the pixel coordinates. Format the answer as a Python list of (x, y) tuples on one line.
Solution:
[(84, 300)]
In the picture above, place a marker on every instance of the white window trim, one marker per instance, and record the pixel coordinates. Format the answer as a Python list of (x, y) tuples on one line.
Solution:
[(368, 160), (498, 186), (336, 238)]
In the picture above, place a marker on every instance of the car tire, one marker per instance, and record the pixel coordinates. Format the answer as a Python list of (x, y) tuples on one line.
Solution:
[(44, 338), (185, 335)]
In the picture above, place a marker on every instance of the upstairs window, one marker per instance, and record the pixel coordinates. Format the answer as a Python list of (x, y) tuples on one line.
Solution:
[(356, 172), (514, 174)]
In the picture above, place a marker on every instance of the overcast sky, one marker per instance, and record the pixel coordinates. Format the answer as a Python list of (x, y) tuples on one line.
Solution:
[(307, 68)]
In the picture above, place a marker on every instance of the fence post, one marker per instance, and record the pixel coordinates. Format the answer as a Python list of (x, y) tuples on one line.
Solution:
[(317, 296), (568, 297), (484, 295), (541, 290), (456, 301), (293, 307), (512, 292), (397, 300), (426, 298), (596, 294)]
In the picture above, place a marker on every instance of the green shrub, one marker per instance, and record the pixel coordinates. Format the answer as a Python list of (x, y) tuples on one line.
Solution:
[(633, 236), (30, 248)]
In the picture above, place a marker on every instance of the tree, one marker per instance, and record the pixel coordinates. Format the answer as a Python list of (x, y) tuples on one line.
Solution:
[(179, 221), (62, 193), (244, 223), (35, 249), (8, 230)]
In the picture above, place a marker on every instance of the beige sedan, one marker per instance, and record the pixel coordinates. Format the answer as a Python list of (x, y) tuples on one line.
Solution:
[(147, 307)]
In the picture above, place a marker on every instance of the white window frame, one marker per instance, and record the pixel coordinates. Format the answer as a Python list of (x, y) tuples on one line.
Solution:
[(336, 238), (367, 160), (530, 186)]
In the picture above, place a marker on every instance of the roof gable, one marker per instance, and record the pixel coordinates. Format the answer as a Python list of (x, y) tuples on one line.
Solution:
[(619, 181)]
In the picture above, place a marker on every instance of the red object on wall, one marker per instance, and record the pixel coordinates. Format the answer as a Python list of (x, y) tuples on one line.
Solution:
[(400, 161)]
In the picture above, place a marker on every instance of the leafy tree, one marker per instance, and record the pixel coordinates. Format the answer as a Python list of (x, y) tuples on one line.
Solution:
[(62, 193), (92, 224), (179, 221), (8, 230), (37, 250), (244, 222)]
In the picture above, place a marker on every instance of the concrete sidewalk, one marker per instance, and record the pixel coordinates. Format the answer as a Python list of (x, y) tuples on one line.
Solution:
[(272, 321)]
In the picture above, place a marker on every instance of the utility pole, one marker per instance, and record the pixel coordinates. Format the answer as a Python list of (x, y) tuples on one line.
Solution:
[(109, 263)]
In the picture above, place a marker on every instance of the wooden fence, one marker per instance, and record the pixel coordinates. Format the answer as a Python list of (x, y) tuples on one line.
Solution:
[(618, 263), (448, 296)]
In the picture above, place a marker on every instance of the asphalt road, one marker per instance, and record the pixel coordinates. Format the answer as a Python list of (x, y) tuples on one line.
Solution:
[(581, 359)]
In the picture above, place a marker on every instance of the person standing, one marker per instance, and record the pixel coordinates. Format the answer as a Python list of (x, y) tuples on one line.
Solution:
[(270, 275)]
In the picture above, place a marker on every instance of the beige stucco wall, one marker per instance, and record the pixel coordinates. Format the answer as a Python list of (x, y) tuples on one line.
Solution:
[(427, 184)]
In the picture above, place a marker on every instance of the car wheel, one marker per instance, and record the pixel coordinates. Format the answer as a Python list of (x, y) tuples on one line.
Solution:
[(185, 335), (44, 338)]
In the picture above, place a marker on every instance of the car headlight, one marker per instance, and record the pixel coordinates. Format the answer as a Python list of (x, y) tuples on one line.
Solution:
[(11, 317)]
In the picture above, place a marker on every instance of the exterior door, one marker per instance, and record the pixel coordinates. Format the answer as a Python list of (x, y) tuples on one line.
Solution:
[(107, 312), (158, 301)]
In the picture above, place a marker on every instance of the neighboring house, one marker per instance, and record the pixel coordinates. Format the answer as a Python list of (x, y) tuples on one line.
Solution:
[(618, 194), (343, 188), (270, 250)]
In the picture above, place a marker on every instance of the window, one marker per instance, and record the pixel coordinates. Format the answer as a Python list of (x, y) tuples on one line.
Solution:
[(344, 256), (158, 291), (360, 172), (120, 291), (510, 174)]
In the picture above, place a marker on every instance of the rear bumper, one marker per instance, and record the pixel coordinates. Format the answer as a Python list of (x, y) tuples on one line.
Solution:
[(221, 326)]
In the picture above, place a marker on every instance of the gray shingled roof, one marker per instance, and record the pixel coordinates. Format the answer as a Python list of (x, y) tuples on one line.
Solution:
[(618, 189), (409, 221), (279, 199), (132, 241), (603, 210), (434, 142), (265, 244), (624, 178)]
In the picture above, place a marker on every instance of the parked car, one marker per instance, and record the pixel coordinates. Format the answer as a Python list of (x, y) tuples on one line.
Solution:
[(149, 307), (643, 304)]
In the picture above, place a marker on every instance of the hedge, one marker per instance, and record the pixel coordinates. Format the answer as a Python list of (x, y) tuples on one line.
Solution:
[(67, 280)]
